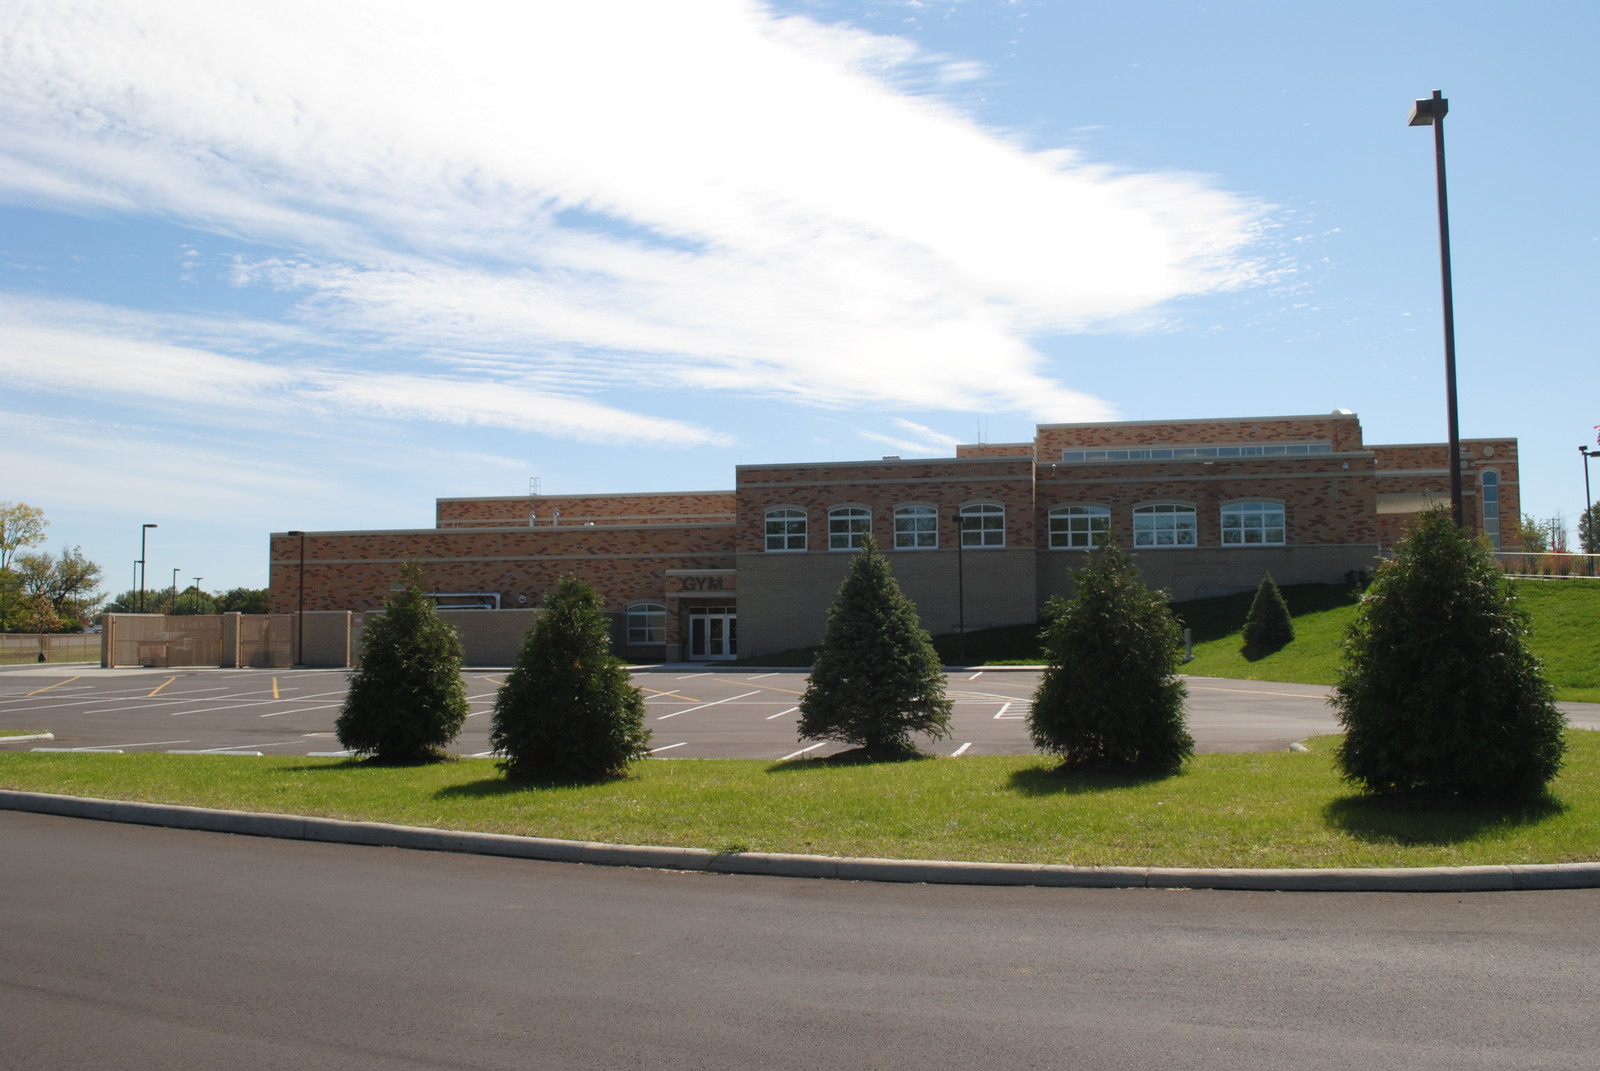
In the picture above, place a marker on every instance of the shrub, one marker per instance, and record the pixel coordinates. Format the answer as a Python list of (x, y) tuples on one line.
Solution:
[(1268, 626), (406, 701), (1110, 697), (1438, 691), (877, 678), (568, 711)]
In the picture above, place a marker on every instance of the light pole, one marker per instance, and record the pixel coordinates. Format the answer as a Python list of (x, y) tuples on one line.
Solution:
[(1430, 111), (174, 589), (300, 603), (143, 531), (1592, 544), (197, 605)]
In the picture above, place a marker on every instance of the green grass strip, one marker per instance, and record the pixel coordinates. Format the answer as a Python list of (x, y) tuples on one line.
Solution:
[(1258, 810)]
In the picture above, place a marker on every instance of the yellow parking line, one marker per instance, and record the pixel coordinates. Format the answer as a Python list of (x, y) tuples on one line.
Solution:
[(768, 687), (675, 695), (57, 684), (491, 680), (168, 681), (274, 687)]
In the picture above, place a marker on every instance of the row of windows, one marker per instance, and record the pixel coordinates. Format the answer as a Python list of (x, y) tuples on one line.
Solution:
[(1162, 524), (982, 524), (1181, 453)]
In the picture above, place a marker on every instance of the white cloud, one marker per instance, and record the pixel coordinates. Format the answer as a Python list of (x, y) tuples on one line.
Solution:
[(706, 195)]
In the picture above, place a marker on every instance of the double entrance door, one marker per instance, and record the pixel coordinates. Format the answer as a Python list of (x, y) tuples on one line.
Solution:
[(713, 633)]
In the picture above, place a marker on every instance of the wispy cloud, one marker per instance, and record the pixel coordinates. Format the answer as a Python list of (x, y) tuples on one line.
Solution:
[(586, 195)]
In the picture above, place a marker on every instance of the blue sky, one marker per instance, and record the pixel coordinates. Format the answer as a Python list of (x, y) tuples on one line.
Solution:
[(291, 265)]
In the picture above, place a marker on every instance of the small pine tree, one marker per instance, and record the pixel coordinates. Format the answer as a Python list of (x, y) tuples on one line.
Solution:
[(1438, 691), (1110, 697), (406, 701), (1268, 626), (568, 711), (876, 679)]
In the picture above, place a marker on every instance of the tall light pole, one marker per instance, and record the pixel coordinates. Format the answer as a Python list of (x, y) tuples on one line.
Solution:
[(174, 589), (197, 605), (1430, 111), (1592, 544), (143, 531), (300, 603)]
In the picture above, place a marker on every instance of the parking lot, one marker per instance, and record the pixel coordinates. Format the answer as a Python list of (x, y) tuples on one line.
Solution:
[(693, 711)]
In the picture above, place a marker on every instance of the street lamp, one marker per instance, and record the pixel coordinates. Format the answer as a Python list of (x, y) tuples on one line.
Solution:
[(174, 589), (197, 605), (300, 604), (143, 531), (1592, 544), (1430, 111)]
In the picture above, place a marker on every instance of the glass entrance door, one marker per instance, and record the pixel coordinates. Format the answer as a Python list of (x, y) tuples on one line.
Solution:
[(713, 634)]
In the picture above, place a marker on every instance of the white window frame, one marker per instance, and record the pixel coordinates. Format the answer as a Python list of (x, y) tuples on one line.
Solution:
[(848, 527), (1170, 526), (647, 623), (783, 519), (1075, 527), (1254, 522), (989, 533), (916, 527)]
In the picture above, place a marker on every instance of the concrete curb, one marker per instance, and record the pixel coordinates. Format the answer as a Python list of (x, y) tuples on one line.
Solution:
[(776, 864), (25, 738)]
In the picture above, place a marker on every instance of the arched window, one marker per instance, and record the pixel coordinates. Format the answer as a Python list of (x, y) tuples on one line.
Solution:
[(1078, 527), (786, 529), (848, 527), (983, 524), (1253, 524), (647, 622), (1164, 524), (1489, 484), (916, 528)]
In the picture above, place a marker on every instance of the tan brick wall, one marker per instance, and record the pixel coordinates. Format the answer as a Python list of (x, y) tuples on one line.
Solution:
[(640, 508), (1423, 469), (1342, 432), (356, 570), (946, 484), (1324, 500), (994, 450)]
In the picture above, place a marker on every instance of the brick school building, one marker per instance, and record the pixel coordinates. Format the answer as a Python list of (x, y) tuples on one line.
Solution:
[(976, 540)]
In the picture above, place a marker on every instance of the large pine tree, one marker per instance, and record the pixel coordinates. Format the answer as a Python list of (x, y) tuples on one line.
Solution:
[(568, 711), (1438, 691), (1110, 697), (876, 679), (406, 701)]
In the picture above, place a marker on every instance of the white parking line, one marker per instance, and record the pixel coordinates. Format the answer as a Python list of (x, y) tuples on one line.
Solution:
[(669, 747), (692, 676), (960, 749), (758, 676), (976, 675), (1002, 711), (714, 703), (297, 710), (802, 751), (780, 713)]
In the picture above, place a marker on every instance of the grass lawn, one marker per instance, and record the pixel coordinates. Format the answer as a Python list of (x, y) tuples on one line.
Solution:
[(1260, 810)]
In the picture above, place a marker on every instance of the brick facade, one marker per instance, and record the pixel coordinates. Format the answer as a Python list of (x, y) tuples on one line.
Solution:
[(697, 553)]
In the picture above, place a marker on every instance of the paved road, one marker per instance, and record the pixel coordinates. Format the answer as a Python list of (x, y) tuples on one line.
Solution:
[(135, 947), (693, 711)]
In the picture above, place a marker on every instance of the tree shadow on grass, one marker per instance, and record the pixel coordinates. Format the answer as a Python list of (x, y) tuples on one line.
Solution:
[(1075, 781), (490, 787), (856, 756), (1433, 820), (1255, 652)]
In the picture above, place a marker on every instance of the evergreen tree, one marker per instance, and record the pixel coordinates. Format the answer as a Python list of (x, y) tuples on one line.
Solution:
[(1110, 697), (568, 711), (406, 699), (1438, 691), (876, 679), (1268, 626)]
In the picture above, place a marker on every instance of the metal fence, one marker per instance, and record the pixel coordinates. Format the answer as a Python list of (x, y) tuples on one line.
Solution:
[(20, 647), (1575, 566)]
